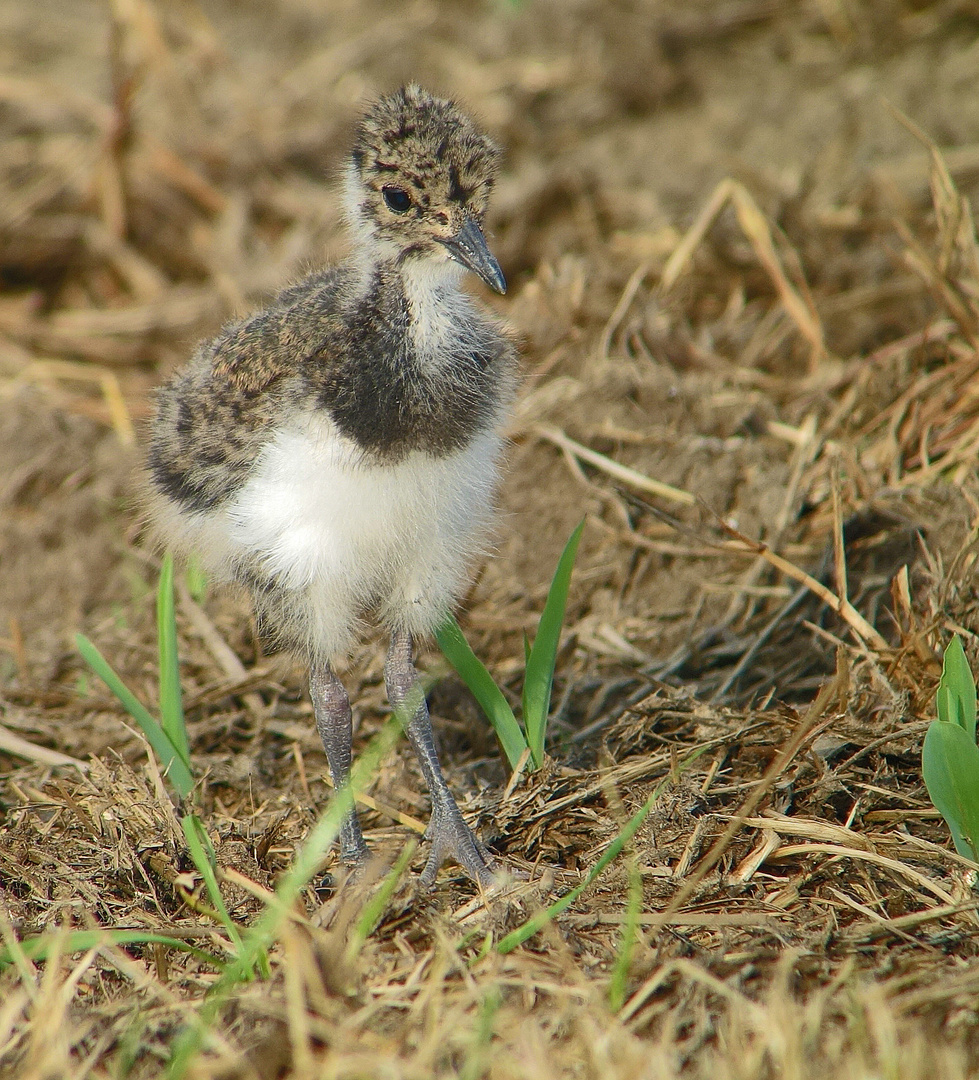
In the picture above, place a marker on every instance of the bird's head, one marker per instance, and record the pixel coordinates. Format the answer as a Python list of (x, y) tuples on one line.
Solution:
[(419, 180)]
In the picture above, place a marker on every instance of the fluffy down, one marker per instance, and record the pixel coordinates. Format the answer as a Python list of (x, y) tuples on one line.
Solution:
[(333, 534)]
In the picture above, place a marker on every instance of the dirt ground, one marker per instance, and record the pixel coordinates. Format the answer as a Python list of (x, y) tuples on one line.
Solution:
[(744, 275)]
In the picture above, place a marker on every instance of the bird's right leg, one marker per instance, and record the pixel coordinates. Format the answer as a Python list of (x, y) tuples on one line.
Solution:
[(331, 707), (450, 835)]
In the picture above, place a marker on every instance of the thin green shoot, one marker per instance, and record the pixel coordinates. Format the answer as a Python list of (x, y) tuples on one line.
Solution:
[(129, 1047), (376, 905), (537, 922), (955, 700), (53, 943), (173, 766), (196, 579), (168, 739), (490, 697), (950, 756), (169, 742), (171, 701), (15, 952), (474, 1066), (202, 853), (258, 938), (540, 658), (168, 736), (618, 982)]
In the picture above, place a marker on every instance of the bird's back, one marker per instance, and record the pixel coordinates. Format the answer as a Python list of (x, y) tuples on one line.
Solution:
[(323, 346), (214, 416)]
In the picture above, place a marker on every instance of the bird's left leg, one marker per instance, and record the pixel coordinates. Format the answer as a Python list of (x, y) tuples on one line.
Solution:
[(449, 834), (331, 707)]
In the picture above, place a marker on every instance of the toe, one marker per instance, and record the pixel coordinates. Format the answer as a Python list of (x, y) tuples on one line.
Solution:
[(452, 838)]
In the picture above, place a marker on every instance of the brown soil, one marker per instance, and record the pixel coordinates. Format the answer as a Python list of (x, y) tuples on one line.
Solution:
[(805, 368)]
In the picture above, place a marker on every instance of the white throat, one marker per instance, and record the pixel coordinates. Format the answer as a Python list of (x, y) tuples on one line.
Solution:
[(440, 311)]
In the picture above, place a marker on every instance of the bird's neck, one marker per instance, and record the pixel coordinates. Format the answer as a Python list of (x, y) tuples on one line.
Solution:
[(439, 312), (418, 307)]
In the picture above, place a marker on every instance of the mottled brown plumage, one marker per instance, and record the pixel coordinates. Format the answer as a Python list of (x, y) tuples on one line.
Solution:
[(336, 452)]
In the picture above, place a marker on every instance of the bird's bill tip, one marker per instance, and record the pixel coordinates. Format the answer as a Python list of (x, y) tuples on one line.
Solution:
[(468, 247), (493, 277), (497, 282)]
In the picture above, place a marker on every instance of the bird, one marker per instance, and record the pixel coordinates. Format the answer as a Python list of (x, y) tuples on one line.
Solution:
[(337, 452)]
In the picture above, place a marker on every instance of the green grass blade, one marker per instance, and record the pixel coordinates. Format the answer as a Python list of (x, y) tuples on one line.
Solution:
[(374, 908), (539, 675), (542, 918), (950, 766), (195, 578), (260, 935), (14, 953), (453, 644), (171, 704), (617, 987), (174, 767), (203, 856), (474, 1066), (41, 946), (956, 697)]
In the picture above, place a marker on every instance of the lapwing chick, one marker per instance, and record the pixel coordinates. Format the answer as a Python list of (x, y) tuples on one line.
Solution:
[(337, 452)]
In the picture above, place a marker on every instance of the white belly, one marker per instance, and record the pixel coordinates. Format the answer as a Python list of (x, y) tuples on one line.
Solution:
[(342, 535)]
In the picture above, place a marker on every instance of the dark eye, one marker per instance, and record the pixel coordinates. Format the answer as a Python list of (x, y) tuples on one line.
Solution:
[(397, 199)]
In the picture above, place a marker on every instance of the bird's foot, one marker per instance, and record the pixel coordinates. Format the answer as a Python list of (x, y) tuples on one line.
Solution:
[(354, 856), (353, 851), (452, 838)]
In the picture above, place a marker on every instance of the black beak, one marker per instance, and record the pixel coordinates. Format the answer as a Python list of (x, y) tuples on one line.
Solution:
[(468, 247)]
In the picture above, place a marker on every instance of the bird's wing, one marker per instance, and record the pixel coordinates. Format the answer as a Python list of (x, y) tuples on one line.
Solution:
[(253, 354)]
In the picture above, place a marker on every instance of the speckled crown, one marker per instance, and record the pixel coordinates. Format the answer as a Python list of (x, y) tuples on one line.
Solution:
[(420, 136)]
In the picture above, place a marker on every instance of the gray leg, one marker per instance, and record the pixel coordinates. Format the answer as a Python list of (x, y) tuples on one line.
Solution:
[(449, 834), (331, 707)]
